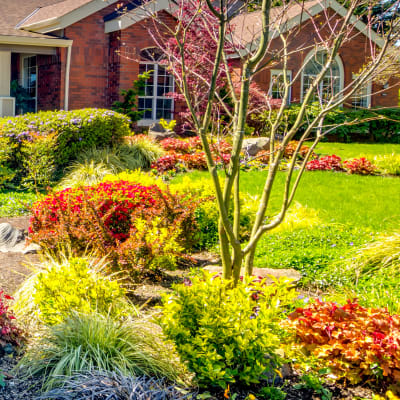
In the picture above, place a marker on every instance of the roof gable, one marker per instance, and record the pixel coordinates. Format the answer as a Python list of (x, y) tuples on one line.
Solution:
[(248, 22), (61, 14)]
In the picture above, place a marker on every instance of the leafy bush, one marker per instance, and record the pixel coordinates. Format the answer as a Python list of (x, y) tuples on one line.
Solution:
[(176, 145), (38, 160), (6, 151), (387, 164), (76, 130), (72, 284), (115, 385), (360, 166), (120, 219), (326, 163), (356, 343), (9, 332), (86, 342), (379, 125), (207, 213), (226, 334)]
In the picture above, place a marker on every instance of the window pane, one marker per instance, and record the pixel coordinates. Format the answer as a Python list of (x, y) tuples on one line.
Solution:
[(330, 84)]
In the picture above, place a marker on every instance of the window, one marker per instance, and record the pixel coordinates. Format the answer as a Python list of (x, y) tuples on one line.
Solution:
[(331, 84), (276, 89), (154, 102), (29, 82), (361, 98)]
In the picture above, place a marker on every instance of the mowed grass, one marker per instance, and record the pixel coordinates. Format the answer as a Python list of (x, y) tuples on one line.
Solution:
[(354, 150), (369, 202)]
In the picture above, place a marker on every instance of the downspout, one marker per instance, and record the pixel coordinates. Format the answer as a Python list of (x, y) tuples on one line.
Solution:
[(67, 71)]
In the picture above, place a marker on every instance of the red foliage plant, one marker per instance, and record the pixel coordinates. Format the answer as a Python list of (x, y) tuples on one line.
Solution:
[(176, 145), (102, 218), (360, 166), (326, 163), (357, 343), (9, 332), (189, 154)]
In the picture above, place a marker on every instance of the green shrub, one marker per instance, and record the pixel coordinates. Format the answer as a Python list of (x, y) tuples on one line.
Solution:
[(381, 125), (6, 152), (388, 164), (76, 130), (38, 160), (59, 288), (226, 334), (83, 343)]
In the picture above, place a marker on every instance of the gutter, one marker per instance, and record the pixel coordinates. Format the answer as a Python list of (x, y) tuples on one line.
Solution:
[(67, 73), (32, 41)]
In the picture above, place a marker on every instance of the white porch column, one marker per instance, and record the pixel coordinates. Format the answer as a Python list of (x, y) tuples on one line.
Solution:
[(7, 103)]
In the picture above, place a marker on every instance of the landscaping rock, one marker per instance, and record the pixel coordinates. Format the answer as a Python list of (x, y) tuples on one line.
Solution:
[(13, 239), (158, 132), (267, 273), (252, 146)]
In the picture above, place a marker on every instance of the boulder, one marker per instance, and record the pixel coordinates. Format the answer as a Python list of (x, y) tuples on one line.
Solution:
[(13, 240), (158, 132), (252, 146), (267, 273)]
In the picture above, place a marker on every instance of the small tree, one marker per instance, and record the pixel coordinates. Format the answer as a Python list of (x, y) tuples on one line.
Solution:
[(227, 39), (129, 104)]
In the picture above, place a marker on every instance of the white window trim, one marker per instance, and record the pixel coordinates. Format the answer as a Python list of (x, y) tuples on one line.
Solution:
[(310, 55), (368, 96), (148, 122), (277, 72), (22, 69)]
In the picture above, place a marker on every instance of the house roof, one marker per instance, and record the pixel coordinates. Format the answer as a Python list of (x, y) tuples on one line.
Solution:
[(17, 10)]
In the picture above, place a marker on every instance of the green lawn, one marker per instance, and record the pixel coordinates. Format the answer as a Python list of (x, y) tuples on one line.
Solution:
[(352, 150), (369, 202)]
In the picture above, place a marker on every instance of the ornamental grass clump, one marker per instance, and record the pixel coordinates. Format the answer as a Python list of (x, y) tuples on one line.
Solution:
[(227, 334), (388, 164), (86, 342), (115, 385)]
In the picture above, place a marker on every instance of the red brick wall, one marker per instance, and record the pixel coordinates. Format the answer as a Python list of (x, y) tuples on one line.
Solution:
[(89, 75), (49, 82), (353, 54)]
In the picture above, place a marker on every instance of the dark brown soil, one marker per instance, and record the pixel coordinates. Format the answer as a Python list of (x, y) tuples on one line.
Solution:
[(12, 265)]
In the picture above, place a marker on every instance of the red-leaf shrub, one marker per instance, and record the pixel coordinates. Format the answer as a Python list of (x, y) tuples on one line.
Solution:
[(360, 166), (195, 160), (326, 163), (166, 163), (104, 216), (175, 145), (9, 333), (263, 156), (291, 148), (355, 342), (194, 143)]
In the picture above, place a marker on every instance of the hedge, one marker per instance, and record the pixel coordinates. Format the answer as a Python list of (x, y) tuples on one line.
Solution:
[(384, 126), (76, 130)]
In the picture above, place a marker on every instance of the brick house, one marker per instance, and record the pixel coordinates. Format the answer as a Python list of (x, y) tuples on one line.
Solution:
[(70, 54)]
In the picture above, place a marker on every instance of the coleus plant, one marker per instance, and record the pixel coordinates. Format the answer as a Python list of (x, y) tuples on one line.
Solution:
[(356, 343)]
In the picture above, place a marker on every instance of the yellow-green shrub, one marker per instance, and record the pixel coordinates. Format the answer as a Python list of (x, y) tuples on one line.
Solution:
[(227, 334), (62, 287)]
